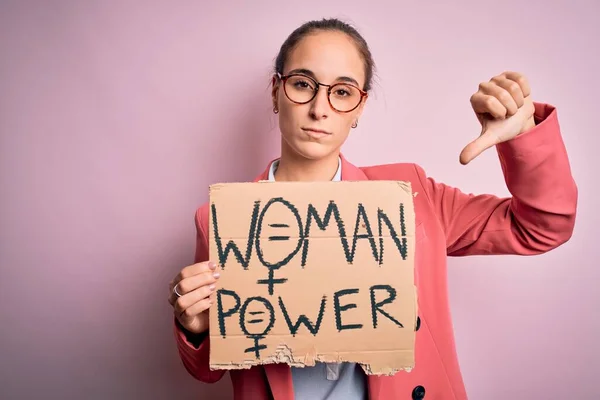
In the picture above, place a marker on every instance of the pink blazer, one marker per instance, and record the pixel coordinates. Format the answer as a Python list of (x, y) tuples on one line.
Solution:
[(539, 217)]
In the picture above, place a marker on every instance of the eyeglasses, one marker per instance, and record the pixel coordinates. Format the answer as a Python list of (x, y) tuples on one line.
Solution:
[(301, 89)]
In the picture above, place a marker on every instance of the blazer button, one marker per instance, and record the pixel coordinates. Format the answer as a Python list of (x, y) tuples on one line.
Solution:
[(418, 393), (418, 324)]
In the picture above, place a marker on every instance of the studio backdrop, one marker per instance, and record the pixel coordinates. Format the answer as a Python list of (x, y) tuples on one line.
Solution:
[(116, 116)]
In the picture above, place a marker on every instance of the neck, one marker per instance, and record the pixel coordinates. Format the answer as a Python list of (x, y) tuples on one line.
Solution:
[(293, 167)]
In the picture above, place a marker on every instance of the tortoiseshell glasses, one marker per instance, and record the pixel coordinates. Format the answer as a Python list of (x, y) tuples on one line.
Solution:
[(301, 89)]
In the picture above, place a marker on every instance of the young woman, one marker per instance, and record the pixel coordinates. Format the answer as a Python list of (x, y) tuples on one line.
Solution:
[(320, 87)]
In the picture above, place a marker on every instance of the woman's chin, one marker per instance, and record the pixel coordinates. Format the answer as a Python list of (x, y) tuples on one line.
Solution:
[(313, 150)]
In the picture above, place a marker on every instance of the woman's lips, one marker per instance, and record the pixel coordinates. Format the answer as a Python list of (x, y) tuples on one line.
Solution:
[(316, 133)]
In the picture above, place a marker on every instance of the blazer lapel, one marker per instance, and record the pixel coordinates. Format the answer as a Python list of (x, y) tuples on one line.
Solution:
[(265, 174), (280, 381), (350, 172)]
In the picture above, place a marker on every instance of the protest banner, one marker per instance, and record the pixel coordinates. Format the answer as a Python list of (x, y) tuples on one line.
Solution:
[(319, 271)]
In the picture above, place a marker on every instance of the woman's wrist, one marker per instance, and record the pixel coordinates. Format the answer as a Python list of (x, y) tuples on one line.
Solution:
[(195, 339)]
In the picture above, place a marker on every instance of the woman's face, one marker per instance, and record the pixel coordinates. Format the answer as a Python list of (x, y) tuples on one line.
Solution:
[(315, 130)]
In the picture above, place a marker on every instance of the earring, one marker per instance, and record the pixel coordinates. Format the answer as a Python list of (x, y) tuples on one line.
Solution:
[(275, 110), (355, 124)]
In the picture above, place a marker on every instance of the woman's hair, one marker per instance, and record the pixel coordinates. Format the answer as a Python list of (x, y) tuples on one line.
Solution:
[(332, 24)]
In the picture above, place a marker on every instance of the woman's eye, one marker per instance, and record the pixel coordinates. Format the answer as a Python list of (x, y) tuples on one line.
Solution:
[(302, 84)]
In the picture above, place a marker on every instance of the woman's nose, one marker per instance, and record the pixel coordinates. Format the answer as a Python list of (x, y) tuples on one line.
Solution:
[(320, 107)]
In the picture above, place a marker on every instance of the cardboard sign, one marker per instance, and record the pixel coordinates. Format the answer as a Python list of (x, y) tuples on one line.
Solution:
[(319, 271)]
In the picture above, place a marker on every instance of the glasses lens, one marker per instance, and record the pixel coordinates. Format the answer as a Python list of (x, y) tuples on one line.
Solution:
[(344, 97), (300, 89)]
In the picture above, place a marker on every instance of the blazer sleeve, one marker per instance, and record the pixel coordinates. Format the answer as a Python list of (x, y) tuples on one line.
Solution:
[(539, 216), (194, 350)]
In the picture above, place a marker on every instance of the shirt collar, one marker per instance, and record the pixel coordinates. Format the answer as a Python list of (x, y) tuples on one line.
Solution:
[(275, 164)]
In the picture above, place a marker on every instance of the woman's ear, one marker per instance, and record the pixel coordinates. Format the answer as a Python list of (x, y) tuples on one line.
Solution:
[(275, 90), (360, 108)]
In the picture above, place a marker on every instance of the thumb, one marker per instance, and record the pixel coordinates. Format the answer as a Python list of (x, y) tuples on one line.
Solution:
[(477, 146)]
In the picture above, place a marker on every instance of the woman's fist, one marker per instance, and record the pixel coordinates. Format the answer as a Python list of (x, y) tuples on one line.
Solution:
[(189, 294)]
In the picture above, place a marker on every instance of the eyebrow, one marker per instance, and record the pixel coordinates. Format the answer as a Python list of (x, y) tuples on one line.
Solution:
[(308, 72)]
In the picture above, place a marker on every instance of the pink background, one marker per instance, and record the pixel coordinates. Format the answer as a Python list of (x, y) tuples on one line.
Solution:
[(115, 116)]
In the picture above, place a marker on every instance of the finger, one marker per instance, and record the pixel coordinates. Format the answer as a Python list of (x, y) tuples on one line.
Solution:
[(512, 87), (194, 310), (502, 95), (483, 103), (192, 270), (521, 80), (184, 302), (476, 147), (192, 283)]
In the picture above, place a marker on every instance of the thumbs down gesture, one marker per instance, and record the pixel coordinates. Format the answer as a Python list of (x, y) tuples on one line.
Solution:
[(505, 110)]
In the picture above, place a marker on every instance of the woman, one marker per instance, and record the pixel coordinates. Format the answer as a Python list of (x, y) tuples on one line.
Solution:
[(315, 119)]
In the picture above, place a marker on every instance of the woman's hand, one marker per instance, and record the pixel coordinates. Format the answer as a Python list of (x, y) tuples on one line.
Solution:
[(505, 109), (194, 283)]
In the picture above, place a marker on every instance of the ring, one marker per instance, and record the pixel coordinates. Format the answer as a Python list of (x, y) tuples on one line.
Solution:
[(176, 292)]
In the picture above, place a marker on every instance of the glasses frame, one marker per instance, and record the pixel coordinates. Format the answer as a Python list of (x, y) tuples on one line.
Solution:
[(284, 78)]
